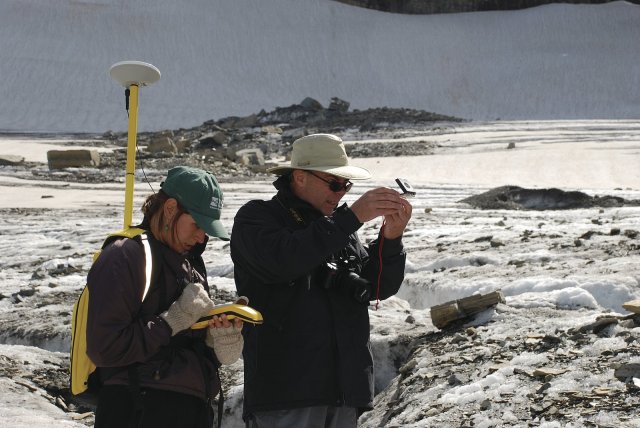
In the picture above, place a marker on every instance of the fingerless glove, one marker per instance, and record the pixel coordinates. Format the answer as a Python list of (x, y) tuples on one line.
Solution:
[(226, 342), (193, 303)]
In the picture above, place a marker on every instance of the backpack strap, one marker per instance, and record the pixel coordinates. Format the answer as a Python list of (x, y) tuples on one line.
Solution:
[(132, 233), (132, 370), (148, 263)]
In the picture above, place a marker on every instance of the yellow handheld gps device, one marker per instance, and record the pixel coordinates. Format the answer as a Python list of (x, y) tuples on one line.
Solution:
[(231, 310)]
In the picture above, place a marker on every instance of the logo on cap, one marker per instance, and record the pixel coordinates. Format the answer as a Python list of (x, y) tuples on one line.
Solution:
[(216, 203)]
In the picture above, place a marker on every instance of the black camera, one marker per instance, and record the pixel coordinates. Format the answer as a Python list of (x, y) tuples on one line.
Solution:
[(340, 274)]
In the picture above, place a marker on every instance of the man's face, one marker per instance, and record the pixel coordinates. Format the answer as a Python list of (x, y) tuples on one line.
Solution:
[(314, 188)]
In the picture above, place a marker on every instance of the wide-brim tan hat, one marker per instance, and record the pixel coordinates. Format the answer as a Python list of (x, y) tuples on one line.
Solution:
[(322, 152)]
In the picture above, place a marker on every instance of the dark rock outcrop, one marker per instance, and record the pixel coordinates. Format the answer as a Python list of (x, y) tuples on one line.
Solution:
[(518, 198), (421, 7)]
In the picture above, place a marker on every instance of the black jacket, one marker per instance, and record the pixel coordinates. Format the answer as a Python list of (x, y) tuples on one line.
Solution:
[(313, 348)]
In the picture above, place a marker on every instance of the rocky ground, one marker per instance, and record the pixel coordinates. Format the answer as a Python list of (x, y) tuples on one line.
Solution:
[(480, 357), (238, 147), (508, 366)]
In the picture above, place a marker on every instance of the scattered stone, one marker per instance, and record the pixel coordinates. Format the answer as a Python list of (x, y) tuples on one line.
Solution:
[(162, 144), (81, 416), (547, 371), (542, 389), (60, 159), (456, 379), (338, 105), (446, 313), (431, 412), (213, 139), (485, 405), (627, 371), (629, 233), (458, 338), (599, 324), (250, 157), (632, 306), (30, 387), (600, 390), (408, 367), (495, 243), (60, 403), (11, 160), (314, 105)]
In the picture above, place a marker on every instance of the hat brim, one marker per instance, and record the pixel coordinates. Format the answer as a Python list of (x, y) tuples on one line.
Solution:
[(213, 228), (349, 172)]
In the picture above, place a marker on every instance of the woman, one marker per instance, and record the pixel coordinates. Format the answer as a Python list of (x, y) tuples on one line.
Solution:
[(155, 370)]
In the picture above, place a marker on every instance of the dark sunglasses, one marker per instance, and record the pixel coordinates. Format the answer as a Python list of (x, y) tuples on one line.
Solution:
[(334, 185)]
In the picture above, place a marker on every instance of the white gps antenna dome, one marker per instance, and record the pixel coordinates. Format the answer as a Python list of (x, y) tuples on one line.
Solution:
[(138, 73)]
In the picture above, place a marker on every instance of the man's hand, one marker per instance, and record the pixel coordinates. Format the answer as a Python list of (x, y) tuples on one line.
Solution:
[(384, 202), (395, 223)]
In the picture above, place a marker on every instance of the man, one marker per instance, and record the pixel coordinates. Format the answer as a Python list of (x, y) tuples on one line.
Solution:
[(299, 260)]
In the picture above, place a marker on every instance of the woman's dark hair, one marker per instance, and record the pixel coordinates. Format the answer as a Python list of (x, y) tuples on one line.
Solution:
[(154, 214)]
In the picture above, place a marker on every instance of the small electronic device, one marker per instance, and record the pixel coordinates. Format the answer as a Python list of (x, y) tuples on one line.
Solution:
[(407, 190), (231, 310)]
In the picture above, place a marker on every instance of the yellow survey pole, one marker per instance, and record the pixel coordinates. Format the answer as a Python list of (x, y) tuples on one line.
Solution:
[(131, 155), (131, 75)]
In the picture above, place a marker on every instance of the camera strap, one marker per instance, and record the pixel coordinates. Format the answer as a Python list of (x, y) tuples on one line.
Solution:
[(380, 244)]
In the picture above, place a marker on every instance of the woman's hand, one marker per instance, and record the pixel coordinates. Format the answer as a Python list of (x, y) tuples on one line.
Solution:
[(225, 338), (223, 322)]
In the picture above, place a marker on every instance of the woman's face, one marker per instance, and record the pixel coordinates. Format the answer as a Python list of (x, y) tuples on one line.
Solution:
[(186, 233)]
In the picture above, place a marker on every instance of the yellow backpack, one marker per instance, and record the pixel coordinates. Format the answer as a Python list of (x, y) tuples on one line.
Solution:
[(81, 367)]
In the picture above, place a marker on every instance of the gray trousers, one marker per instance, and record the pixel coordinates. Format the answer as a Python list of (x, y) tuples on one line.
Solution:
[(305, 417)]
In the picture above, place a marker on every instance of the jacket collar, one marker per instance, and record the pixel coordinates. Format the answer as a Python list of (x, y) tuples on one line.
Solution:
[(290, 201)]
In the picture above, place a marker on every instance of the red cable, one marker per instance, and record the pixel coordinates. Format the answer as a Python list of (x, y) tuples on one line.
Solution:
[(380, 260)]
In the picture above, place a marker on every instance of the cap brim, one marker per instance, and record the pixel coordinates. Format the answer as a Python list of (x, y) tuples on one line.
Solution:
[(213, 228), (349, 172)]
